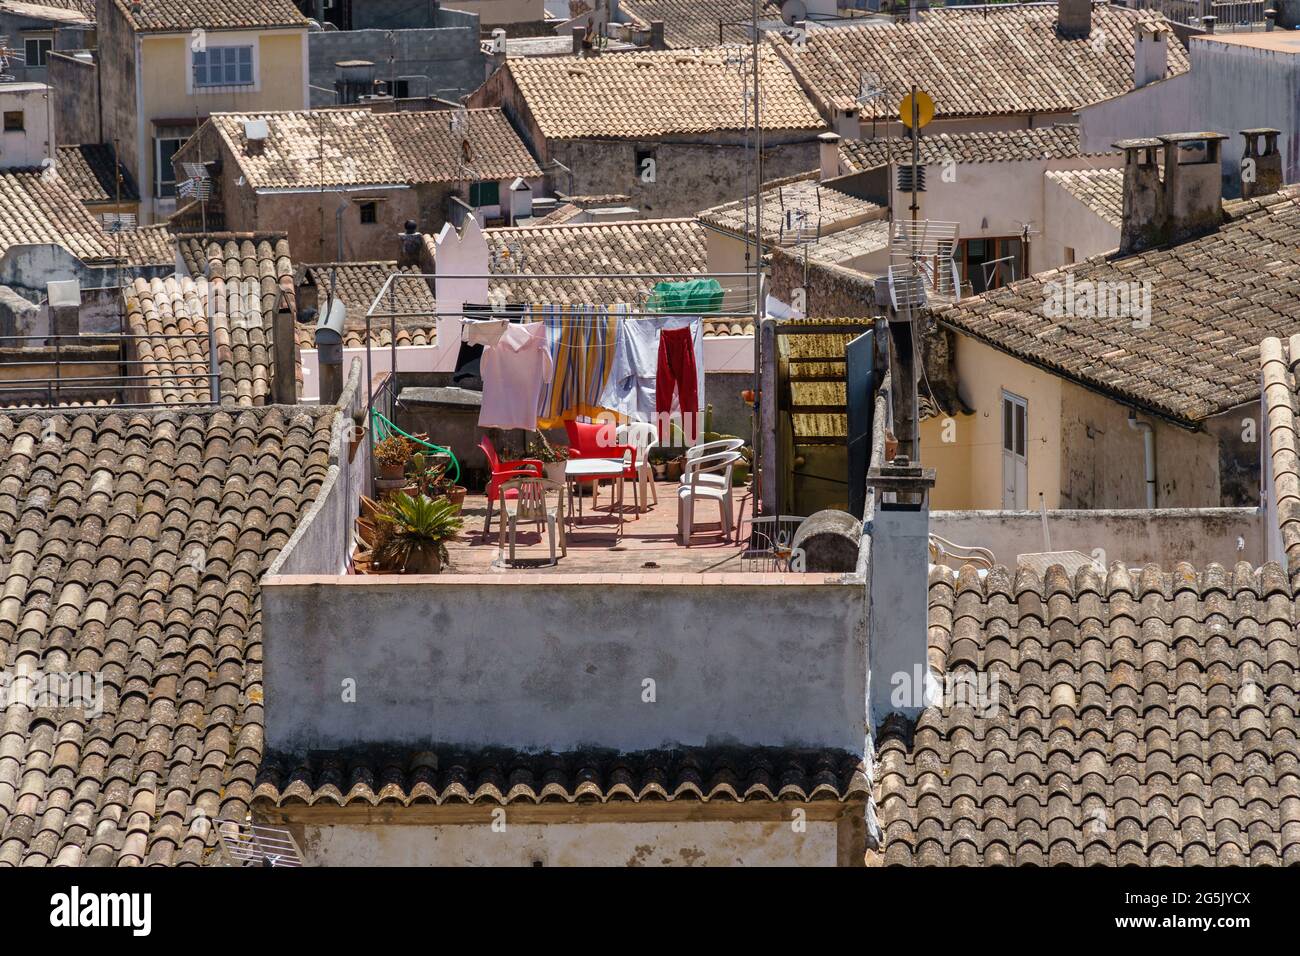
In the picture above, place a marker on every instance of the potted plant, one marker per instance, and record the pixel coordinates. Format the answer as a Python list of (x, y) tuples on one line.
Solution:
[(391, 456), (428, 474), (412, 534), (552, 457)]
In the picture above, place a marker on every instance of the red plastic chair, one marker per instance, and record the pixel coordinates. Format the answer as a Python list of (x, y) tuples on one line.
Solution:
[(503, 471), (590, 440)]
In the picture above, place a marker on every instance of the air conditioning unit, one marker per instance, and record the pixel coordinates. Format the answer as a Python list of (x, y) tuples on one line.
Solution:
[(256, 131)]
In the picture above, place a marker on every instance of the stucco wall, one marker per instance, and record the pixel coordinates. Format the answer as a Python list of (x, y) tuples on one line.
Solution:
[(117, 86), (449, 58), (35, 142), (561, 663), (685, 843), (76, 99), (1135, 537), (1068, 223), (689, 176)]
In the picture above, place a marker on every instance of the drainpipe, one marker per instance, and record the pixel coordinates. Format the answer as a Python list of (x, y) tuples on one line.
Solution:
[(1148, 455)]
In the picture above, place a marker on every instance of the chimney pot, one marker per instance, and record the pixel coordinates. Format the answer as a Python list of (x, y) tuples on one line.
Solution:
[(1074, 18), (579, 35), (1143, 193), (1208, 23), (1263, 175), (1193, 195), (657, 35), (1150, 53), (829, 154), (1270, 18)]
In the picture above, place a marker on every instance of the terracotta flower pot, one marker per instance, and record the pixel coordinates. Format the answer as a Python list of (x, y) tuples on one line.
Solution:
[(387, 487), (423, 561), (356, 440), (673, 470), (389, 472), (554, 470), (456, 495)]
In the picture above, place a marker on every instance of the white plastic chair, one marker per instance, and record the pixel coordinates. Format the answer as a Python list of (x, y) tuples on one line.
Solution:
[(694, 487), (712, 448), (531, 505), (642, 436)]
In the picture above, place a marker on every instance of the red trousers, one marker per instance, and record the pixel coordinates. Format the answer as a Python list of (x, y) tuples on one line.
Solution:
[(676, 372)]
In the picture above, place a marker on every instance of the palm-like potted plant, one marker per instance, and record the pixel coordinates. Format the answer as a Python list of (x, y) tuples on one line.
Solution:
[(412, 534)]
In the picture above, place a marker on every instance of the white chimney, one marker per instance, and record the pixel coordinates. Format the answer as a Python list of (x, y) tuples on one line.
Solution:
[(847, 124), (1150, 53), (829, 148)]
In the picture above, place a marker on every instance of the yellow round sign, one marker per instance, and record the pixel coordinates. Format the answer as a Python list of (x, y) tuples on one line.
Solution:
[(924, 109)]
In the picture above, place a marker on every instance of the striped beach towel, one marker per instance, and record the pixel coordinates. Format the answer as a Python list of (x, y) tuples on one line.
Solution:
[(581, 341)]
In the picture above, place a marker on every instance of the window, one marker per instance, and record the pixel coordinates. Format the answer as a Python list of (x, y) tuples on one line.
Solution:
[(399, 89), (36, 50), (165, 148), (646, 168), (223, 66), (990, 263), (13, 121), (369, 213), (485, 194), (1069, 255), (1015, 458)]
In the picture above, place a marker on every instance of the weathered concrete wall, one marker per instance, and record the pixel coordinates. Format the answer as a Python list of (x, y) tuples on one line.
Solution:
[(689, 175), (321, 544), (76, 99), (830, 291), (586, 843), (624, 662), (120, 121), (1135, 537), (449, 57)]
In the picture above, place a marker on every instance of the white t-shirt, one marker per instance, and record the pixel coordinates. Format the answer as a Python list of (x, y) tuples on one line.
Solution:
[(514, 370)]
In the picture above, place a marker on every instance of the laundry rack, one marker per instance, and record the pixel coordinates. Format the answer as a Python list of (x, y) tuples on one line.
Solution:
[(742, 300)]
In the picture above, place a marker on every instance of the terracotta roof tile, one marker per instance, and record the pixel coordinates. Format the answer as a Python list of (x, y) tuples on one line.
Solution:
[(654, 93), (1240, 282), (694, 23), (131, 547), (369, 777), (1278, 368), (1016, 145), (1140, 717), (236, 279), (984, 61), (356, 285), (171, 16), (89, 172), (365, 148), (1101, 190), (39, 206), (823, 210)]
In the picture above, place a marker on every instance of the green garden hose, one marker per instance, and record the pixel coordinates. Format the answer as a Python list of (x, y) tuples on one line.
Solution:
[(386, 429)]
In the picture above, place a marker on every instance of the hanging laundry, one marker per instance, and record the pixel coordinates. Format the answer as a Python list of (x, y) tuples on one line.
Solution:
[(484, 331), (677, 374), (515, 371), (631, 388), (581, 341)]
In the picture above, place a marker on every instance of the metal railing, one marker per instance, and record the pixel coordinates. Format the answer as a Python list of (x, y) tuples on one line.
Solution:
[(1229, 14), (64, 355)]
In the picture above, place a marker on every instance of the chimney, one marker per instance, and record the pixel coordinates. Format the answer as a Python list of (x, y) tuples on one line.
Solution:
[(1074, 18), (1193, 192), (1270, 19), (1143, 195), (829, 149), (846, 123), (409, 244), (1150, 53), (657, 35), (898, 629), (1261, 171), (579, 35), (1208, 23)]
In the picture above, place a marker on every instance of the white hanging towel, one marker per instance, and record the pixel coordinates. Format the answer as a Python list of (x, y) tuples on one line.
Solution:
[(630, 390)]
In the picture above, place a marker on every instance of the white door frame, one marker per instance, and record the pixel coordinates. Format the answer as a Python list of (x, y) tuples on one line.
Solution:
[(1015, 451)]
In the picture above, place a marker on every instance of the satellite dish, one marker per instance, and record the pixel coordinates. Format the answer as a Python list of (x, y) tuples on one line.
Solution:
[(792, 11)]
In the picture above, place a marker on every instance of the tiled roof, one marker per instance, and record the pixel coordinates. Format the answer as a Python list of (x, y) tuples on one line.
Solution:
[(1101, 190), (1213, 299), (169, 16), (356, 285), (236, 278), (1000, 146), (823, 209), (850, 244), (1278, 366), (694, 23), (89, 172), (371, 778), (131, 548), (1139, 718), (365, 148), (146, 245), (40, 207), (671, 247), (655, 93), (985, 61), (72, 10)]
